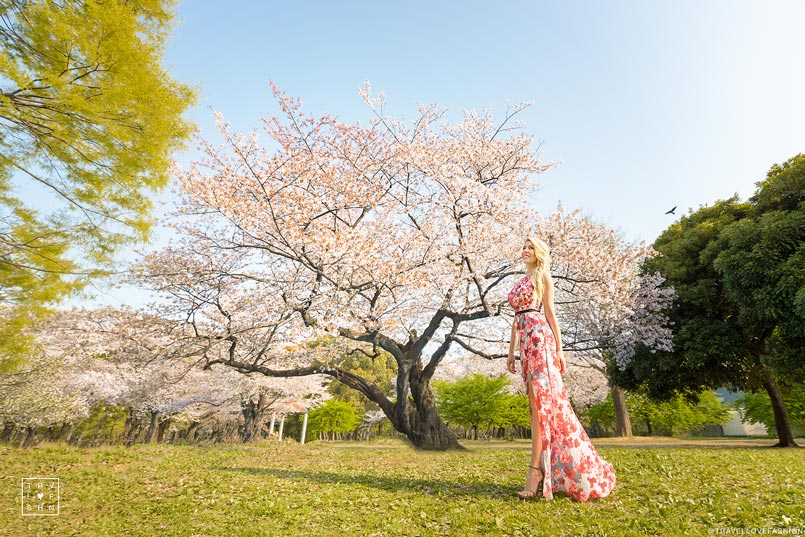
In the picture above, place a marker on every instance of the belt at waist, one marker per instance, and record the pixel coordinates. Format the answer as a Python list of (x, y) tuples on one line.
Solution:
[(525, 311)]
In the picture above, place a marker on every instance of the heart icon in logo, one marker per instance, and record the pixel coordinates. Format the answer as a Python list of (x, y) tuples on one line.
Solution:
[(40, 495)]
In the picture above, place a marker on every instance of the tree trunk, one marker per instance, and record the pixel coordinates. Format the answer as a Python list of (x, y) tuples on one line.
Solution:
[(304, 430), (190, 437), (8, 429), (253, 417), (100, 429), (623, 423), (414, 413), (163, 427), (282, 426), (152, 427), (232, 434), (75, 437), (424, 428), (132, 429), (50, 433), (273, 421), (65, 432), (782, 422), (29, 438)]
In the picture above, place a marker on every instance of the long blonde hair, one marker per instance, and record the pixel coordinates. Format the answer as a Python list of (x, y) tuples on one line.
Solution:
[(543, 255)]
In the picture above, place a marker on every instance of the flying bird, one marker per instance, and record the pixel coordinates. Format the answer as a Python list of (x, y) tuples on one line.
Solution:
[(671, 211)]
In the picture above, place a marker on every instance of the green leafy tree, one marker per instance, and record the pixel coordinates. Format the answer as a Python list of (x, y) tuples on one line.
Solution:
[(333, 418), (677, 415), (89, 119), (680, 415), (514, 411), (474, 401), (738, 270), (602, 414), (380, 370)]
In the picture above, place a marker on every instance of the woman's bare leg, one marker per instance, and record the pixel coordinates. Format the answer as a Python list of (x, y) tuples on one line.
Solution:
[(533, 476), (536, 433)]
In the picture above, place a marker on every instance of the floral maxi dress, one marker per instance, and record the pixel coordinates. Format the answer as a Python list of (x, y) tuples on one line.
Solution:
[(570, 462)]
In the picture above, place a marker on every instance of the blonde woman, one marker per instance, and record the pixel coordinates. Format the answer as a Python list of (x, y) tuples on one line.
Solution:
[(562, 456)]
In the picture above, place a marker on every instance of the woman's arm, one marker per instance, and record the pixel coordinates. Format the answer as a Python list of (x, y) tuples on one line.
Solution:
[(550, 316), (512, 345)]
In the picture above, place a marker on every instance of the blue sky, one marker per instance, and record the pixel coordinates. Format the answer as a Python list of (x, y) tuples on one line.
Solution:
[(648, 104)]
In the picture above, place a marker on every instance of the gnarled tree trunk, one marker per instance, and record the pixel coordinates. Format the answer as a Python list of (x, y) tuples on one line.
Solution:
[(424, 426)]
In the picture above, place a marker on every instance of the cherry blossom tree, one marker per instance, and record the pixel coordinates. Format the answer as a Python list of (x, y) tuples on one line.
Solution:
[(395, 235), (605, 307), (57, 386), (618, 307), (32, 397), (166, 381), (121, 359)]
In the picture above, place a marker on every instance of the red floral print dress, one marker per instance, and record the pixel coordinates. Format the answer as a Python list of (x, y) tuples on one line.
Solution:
[(569, 460)]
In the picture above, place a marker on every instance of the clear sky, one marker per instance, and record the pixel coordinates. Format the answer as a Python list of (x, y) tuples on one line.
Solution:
[(648, 104)]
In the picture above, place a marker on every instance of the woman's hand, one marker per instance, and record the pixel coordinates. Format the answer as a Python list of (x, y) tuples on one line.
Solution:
[(561, 355), (510, 364)]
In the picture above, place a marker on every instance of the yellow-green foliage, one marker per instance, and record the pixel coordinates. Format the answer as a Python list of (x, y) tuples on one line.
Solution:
[(334, 417), (673, 417), (107, 422), (480, 401), (89, 119), (379, 371)]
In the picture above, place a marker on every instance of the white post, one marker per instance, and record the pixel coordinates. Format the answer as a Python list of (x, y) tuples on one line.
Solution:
[(304, 429), (271, 429), (282, 424)]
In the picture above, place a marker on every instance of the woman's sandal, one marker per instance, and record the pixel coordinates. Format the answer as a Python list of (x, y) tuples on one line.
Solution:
[(526, 493)]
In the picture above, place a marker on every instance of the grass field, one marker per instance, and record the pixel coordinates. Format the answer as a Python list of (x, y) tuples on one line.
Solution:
[(665, 487)]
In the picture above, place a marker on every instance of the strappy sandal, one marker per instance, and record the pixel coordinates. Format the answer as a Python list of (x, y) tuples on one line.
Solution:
[(527, 494)]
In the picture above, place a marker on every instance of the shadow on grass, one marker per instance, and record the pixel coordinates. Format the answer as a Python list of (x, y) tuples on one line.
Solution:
[(495, 491)]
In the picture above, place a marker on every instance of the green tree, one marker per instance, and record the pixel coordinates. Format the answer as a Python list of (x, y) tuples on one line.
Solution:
[(333, 418), (680, 415), (89, 119), (738, 270), (677, 415), (474, 401), (602, 414), (514, 411), (380, 370), (763, 267)]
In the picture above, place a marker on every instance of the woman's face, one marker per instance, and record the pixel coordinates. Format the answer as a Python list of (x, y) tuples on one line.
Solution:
[(528, 253)]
